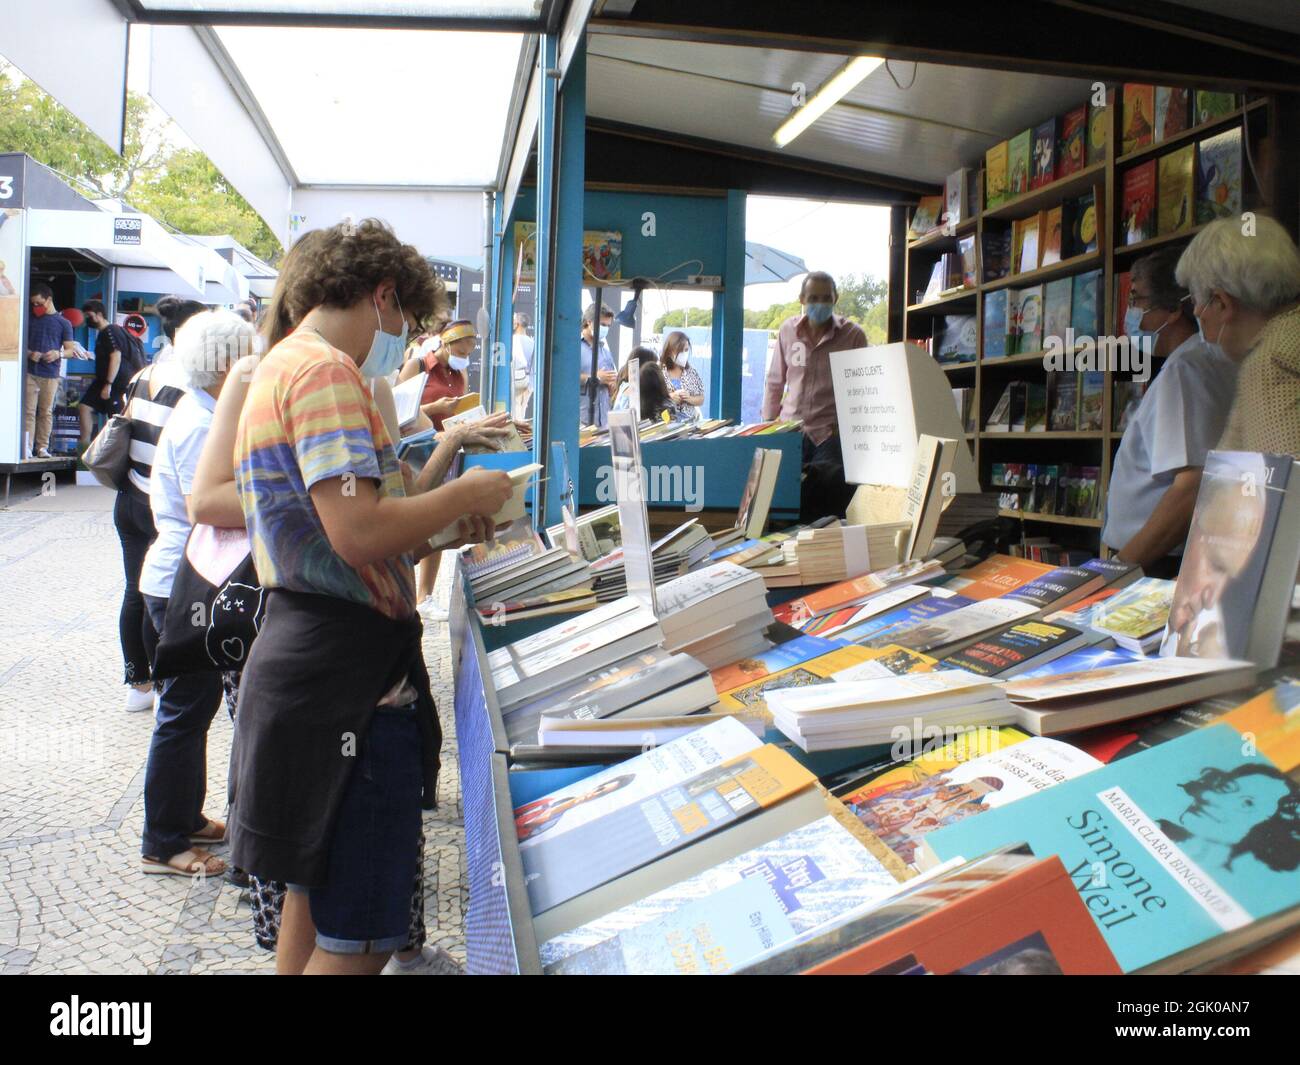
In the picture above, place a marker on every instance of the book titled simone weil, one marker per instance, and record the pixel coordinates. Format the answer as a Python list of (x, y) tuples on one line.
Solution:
[(1167, 849)]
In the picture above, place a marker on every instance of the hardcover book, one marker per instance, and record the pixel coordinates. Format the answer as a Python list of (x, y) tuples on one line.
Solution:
[(1092, 393), (1177, 193), (995, 175), (1190, 839), (1082, 213), (1064, 416), (1173, 109), (1218, 176), (1018, 163), (1051, 236), (1027, 254), (1085, 306), (1029, 320), (1043, 154), (955, 195), (1056, 310), (1099, 129), (925, 218), (1138, 203), (995, 324), (1214, 105), (1137, 130), (1072, 150)]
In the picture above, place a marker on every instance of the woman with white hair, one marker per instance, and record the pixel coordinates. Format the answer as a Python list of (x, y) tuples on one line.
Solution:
[(1245, 283), (175, 827)]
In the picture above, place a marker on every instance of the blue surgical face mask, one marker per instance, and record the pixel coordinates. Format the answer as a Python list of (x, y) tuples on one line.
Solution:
[(818, 313), (1133, 322), (386, 350), (604, 332)]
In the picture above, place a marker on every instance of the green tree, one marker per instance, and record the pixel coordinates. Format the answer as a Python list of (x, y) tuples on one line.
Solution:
[(678, 319), (863, 299), (178, 186)]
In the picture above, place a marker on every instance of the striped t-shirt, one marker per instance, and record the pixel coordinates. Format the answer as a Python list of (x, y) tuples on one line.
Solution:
[(147, 415), (309, 417)]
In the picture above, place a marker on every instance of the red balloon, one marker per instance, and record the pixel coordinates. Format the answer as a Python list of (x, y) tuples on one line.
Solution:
[(75, 317)]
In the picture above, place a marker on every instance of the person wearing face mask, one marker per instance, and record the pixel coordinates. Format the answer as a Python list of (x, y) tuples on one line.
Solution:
[(446, 363), (1246, 288), (685, 387), (1157, 470), (799, 386), (599, 374), (49, 342)]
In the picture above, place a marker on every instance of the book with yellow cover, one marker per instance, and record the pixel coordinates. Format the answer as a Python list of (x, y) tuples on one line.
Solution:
[(891, 660), (938, 759), (995, 175), (1176, 203), (820, 670), (468, 401)]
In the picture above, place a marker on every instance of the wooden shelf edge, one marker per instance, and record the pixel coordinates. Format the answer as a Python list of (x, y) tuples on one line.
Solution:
[(1049, 272), (1151, 243), (1051, 519), (1192, 133), (1061, 188)]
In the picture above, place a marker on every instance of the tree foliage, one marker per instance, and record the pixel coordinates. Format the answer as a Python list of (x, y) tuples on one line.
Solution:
[(178, 186)]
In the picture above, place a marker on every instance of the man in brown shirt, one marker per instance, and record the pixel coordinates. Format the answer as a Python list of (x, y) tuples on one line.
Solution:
[(799, 386)]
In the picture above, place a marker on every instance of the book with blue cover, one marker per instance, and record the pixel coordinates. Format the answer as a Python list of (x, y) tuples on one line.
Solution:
[(1168, 849), (797, 881), (1083, 659), (784, 655), (932, 606)]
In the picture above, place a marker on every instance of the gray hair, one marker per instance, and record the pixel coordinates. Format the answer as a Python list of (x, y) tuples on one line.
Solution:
[(1261, 269), (818, 275), (589, 315), (209, 343)]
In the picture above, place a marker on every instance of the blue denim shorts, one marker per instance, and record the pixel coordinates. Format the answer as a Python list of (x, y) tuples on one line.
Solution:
[(365, 905)]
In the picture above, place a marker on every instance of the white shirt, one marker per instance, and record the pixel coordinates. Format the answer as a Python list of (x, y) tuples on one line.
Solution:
[(522, 357), (1180, 418), (175, 460)]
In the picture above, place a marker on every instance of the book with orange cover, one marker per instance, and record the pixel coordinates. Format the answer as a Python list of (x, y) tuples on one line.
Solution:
[(856, 590), (995, 576), (1029, 922)]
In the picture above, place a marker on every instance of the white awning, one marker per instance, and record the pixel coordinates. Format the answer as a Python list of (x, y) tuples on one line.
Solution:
[(121, 240)]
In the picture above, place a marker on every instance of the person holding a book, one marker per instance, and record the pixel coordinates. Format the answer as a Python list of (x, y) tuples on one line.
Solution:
[(445, 362), (1157, 470), (1245, 280), (336, 739), (685, 386), (799, 386)]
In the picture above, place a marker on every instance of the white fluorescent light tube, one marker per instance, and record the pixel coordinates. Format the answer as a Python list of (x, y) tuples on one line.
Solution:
[(840, 85)]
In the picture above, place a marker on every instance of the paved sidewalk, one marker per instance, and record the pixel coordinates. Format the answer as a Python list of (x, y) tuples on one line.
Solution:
[(72, 899)]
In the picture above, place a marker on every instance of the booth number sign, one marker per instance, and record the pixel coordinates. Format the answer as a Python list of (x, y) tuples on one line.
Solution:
[(126, 231), (11, 190)]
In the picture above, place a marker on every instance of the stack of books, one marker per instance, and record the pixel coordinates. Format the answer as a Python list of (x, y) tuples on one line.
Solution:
[(717, 614), (528, 577), (1136, 618), (673, 554), (868, 713), (851, 593), (836, 553)]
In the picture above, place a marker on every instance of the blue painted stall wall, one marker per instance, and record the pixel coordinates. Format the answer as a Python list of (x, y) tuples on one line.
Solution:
[(753, 373)]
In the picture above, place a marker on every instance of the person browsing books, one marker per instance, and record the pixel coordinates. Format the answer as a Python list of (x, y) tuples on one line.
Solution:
[(685, 387), (1157, 470), (598, 374), (445, 362), (335, 685), (1247, 291), (799, 386)]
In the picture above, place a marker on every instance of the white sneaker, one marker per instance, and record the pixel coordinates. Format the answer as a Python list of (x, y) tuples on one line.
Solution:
[(433, 961), (137, 701), (430, 611), (43, 453)]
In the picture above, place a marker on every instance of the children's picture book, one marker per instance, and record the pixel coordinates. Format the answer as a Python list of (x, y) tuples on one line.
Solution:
[(969, 263), (1099, 128), (1013, 321), (995, 175), (956, 197), (1218, 176), (955, 337), (1138, 127), (1018, 163), (1029, 320), (1138, 203), (1056, 309), (1092, 392), (1173, 110), (602, 255), (1030, 236), (1064, 405), (1082, 214), (1051, 235), (1211, 106), (1177, 191), (1044, 154), (926, 217), (1071, 148), (995, 324), (1085, 306)]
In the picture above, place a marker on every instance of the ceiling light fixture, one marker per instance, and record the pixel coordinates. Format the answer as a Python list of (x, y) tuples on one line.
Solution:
[(843, 82)]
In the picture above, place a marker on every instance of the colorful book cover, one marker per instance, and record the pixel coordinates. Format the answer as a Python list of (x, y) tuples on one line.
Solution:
[(602, 255), (854, 590), (1016, 648), (1013, 321), (1064, 415), (1167, 849), (751, 697), (1018, 163), (1085, 307), (896, 621), (1138, 203), (1236, 528), (1027, 255), (1138, 127), (926, 216), (1092, 392), (902, 812), (969, 261), (1056, 309), (1214, 105), (1051, 236), (995, 576), (955, 338), (705, 924), (995, 253), (1029, 320), (1099, 129), (1083, 224), (1123, 283), (1072, 149), (1218, 176), (1043, 154), (1080, 661), (995, 324), (782, 656), (1173, 108), (955, 197), (1177, 190), (558, 866), (1139, 610), (889, 660), (995, 175)]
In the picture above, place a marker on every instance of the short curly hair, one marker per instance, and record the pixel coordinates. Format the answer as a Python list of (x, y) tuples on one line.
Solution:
[(350, 260)]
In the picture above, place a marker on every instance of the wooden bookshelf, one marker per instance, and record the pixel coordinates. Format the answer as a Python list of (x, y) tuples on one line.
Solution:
[(1259, 120)]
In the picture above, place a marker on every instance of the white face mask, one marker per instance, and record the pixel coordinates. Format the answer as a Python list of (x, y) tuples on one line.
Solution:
[(459, 363), (682, 358)]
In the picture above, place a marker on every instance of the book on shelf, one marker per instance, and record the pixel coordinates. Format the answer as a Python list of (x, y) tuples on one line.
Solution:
[(969, 261), (1029, 320), (1085, 303), (1172, 111), (927, 216), (1233, 593), (1136, 617), (1099, 128), (1035, 407), (1019, 163), (1197, 825), (959, 781), (955, 338), (1137, 210), (1056, 310), (1013, 320), (1043, 153), (728, 914), (1176, 197), (956, 197), (1024, 646), (1064, 702), (871, 712), (1079, 220), (964, 398), (1071, 148), (1138, 122), (995, 175), (1052, 236), (1218, 176), (995, 576), (1092, 393), (995, 254), (1210, 105), (560, 866), (1029, 252), (995, 324)]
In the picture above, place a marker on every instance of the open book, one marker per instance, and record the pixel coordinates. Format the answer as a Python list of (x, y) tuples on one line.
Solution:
[(511, 510)]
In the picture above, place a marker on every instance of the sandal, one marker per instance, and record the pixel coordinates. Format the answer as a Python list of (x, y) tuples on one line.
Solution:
[(193, 862), (211, 832)]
